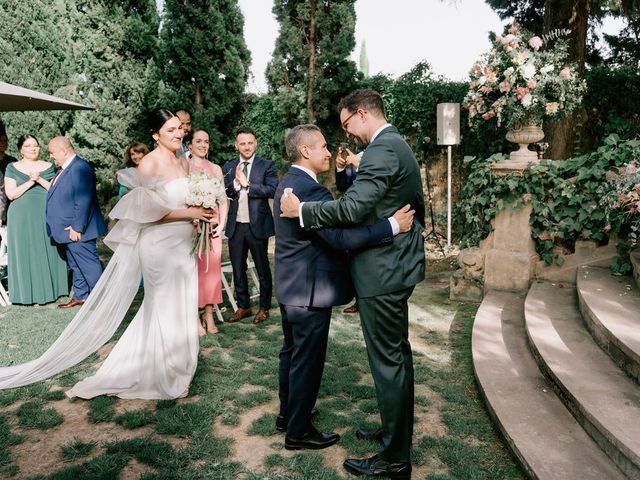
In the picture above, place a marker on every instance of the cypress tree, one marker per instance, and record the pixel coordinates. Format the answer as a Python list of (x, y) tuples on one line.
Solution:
[(205, 64), (311, 71)]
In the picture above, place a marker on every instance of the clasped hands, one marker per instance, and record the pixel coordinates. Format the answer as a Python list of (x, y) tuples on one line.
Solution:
[(241, 178), (290, 205)]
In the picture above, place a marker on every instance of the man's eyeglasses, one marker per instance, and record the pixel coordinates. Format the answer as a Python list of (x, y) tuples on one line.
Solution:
[(345, 124)]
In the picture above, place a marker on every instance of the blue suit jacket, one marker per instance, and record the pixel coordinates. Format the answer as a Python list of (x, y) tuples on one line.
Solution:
[(263, 180), (312, 267), (72, 201), (345, 178)]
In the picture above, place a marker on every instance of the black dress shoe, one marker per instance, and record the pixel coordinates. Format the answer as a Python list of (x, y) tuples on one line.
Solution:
[(377, 467), (281, 421), (313, 440), (371, 434)]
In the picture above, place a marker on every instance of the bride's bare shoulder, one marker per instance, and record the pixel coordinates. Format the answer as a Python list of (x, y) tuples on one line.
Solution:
[(149, 165)]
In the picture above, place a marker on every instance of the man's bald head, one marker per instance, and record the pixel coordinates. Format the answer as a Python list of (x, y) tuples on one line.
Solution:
[(60, 149)]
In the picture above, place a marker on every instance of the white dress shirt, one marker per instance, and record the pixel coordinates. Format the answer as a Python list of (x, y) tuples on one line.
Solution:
[(65, 165)]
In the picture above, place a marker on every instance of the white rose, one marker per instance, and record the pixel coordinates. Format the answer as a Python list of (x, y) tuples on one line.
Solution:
[(527, 100), (508, 72), (546, 69), (528, 70)]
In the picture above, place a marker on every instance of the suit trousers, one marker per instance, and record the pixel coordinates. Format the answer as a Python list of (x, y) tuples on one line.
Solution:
[(85, 267), (385, 324), (240, 244), (302, 357)]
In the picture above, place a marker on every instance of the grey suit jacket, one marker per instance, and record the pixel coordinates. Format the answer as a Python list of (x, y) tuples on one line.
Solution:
[(388, 178)]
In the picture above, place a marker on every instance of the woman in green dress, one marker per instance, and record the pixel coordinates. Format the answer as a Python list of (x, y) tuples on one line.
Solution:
[(37, 271)]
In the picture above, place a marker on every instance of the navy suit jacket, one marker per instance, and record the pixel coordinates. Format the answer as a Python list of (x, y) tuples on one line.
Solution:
[(263, 180), (72, 201), (312, 267), (345, 178)]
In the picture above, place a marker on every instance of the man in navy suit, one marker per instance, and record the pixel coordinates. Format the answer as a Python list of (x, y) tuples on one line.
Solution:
[(74, 219), (312, 275), (250, 182)]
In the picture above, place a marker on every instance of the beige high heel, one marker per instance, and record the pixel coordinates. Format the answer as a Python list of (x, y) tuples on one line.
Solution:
[(210, 323)]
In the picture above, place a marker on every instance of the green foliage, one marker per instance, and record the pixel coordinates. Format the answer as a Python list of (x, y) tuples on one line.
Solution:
[(621, 263), (103, 58), (205, 65), (566, 197), (612, 104), (135, 418), (310, 70)]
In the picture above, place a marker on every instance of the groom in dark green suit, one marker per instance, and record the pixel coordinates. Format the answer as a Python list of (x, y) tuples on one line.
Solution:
[(384, 277)]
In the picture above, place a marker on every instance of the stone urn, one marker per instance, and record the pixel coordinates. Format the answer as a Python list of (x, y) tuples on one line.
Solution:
[(524, 135)]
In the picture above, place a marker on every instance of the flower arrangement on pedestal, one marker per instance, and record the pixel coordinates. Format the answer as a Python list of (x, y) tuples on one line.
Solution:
[(519, 83)]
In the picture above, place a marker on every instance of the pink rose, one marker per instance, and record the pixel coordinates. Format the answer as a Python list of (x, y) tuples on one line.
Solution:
[(535, 43), (514, 28), (521, 92), (531, 83), (565, 73), (505, 87)]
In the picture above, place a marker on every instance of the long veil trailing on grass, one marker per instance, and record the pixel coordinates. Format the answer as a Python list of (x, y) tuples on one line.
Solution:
[(105, 308)]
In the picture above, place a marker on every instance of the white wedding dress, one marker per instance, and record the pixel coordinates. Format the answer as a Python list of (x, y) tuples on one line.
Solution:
[(156, 356)]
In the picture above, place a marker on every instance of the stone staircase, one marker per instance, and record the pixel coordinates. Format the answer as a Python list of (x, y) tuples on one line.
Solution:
[(559, 370)]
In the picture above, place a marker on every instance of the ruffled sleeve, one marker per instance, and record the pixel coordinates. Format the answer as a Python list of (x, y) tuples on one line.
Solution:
[(145, 204)]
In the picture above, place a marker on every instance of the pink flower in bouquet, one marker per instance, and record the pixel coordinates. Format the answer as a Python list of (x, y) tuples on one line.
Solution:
[(520, 57), (535, 43), (514, 28), (531, 83), (521, 92), (488, 115), (486, 89), (551, 108), (505, 86), (565, 73)]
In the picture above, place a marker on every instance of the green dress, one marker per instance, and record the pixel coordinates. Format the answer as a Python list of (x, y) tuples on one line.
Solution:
[(37, 269)]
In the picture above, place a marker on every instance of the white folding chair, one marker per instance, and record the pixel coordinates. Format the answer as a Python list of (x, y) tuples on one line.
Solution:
[(4, 262), (227, 284)]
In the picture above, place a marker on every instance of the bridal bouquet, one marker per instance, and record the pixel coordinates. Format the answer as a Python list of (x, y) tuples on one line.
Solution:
[(203, 191), (523, 80)]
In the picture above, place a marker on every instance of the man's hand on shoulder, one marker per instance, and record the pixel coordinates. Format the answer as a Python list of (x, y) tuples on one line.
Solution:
[(289, 204)]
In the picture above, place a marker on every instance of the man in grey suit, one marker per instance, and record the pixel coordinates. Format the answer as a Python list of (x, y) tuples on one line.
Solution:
[(384, 277)]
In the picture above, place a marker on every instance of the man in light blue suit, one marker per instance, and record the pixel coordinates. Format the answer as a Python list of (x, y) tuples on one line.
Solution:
[(74, 219)]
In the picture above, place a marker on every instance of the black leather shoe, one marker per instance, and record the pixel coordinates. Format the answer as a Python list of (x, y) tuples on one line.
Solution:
[(371, 434), (281, 422), (313, 440), (377, 467)]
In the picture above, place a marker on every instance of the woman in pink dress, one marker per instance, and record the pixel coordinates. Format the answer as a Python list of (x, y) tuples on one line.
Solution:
[(209, 271)]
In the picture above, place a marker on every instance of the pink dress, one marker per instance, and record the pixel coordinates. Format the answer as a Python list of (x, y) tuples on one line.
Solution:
[(210, 279)]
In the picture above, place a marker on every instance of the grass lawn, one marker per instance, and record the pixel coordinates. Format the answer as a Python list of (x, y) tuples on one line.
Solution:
[(225, 428)]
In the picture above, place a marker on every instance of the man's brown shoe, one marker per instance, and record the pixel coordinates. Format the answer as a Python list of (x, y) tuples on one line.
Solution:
[(261, 316), (71, 303), (352, 309), (239, 315)]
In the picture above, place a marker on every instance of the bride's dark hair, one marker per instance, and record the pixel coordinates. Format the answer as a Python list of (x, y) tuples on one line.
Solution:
[(157, 118)]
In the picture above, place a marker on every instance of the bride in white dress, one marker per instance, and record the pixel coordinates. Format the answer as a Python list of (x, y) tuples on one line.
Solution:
[(156, 357)]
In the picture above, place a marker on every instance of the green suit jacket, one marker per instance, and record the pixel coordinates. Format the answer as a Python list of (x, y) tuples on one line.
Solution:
[(388, 178)]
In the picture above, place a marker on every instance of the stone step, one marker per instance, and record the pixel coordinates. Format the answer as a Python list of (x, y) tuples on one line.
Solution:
[(610, 307), (541, 432), (604, 400)]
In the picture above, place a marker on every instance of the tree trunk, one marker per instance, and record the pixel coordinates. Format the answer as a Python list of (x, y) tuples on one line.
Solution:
[(311, 114), (574, 15)]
